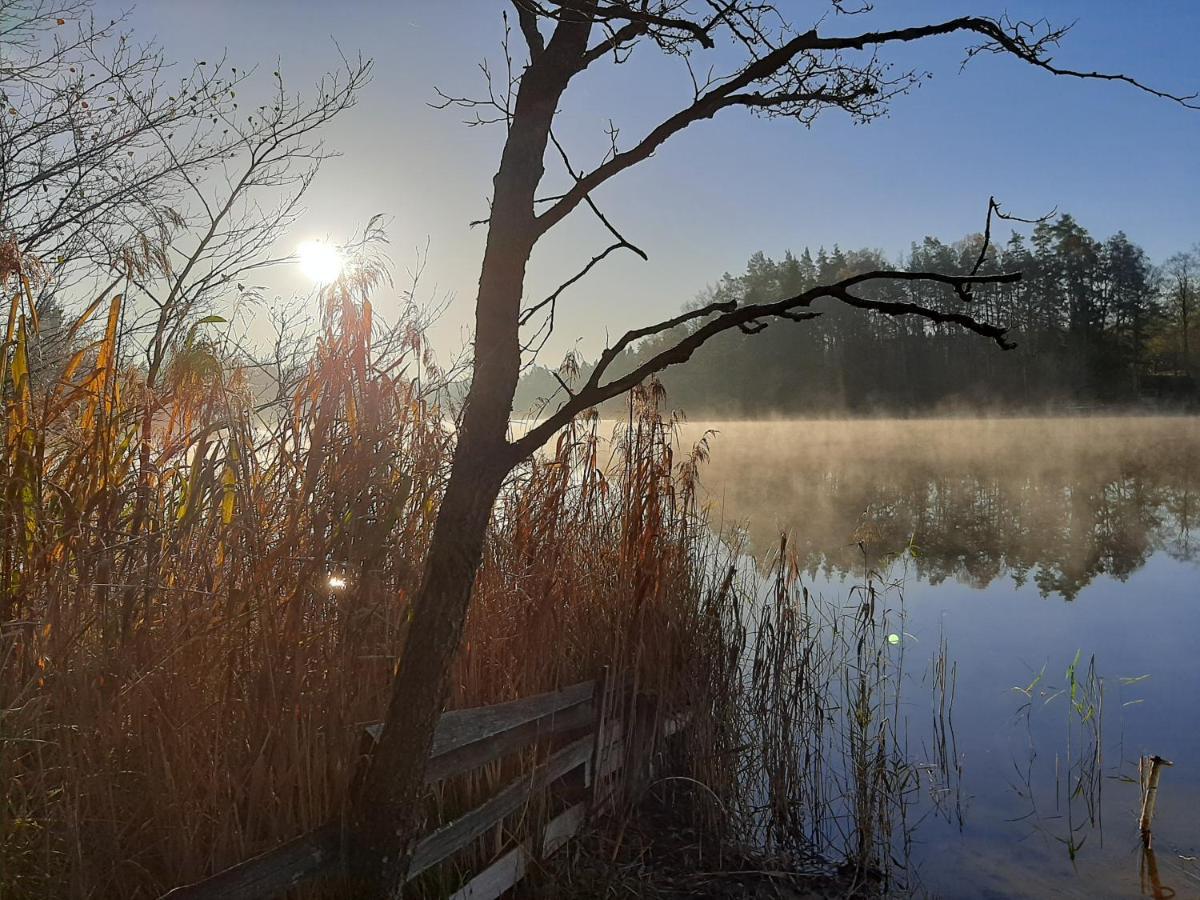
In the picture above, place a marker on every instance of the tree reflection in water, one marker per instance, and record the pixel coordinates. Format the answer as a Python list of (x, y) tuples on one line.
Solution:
[(1055, 501)]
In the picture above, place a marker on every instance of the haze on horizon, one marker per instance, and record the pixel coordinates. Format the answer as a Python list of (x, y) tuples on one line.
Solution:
[(740, 184)]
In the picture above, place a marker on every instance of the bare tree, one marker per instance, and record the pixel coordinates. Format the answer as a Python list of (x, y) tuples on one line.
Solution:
[(1182, 273), (783, 72), (114, 175), (175, 186), (97, 139)]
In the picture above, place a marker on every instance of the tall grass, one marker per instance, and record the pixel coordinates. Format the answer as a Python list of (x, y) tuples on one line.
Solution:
[(199, 616), (1078, 773), (829, 779), (202, 599)]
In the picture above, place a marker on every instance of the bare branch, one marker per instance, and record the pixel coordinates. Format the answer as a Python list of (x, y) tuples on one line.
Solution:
[(797, 79), (667, 29), (750, 319), (527, 19), (1031, 43), (531, 311), (995, 210)]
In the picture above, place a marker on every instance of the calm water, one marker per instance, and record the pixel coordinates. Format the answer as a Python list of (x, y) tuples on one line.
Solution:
[(1029, 541)]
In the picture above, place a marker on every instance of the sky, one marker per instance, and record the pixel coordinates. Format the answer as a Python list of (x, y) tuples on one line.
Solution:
[(1113, 157)]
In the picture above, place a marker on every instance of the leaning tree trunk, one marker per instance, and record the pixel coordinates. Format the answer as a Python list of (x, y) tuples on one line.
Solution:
[(386, 813)]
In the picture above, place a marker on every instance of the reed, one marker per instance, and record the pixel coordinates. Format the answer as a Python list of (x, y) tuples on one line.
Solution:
[(202, 595), (199, 616), (833, 781)]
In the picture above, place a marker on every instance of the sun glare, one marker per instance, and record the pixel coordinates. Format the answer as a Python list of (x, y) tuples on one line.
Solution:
[(319, 261)]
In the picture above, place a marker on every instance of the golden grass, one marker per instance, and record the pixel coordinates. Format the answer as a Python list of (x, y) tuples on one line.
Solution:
[(201, 606), (183, 683)]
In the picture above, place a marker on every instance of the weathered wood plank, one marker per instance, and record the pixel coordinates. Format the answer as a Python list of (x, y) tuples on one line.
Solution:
[(462, 726), (497, 878), (480, 752), (608, 758), (270, 873), (457, 834), (504, 873), (613, 760), (562, 828), (468, 738)]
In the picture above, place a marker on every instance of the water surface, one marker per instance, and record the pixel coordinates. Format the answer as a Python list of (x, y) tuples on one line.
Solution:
[(1031, 545)]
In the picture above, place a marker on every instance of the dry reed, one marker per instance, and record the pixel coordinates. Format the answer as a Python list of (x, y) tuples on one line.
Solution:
[(201, 602), (199, 616)]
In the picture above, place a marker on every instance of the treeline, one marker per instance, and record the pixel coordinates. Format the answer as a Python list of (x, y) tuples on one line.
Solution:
[(1096, 322)]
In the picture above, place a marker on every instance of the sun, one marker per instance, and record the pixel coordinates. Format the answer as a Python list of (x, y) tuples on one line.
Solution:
[(319, 261)]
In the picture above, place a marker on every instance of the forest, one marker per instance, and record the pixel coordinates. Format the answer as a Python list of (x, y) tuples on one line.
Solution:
[(1097, 324)]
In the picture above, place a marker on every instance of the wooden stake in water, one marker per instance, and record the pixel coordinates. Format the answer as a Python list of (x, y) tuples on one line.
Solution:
[(1150, 768)]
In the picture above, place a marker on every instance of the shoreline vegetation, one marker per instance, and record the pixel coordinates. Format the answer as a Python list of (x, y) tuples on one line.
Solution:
[(1099, 327), (184, 691)]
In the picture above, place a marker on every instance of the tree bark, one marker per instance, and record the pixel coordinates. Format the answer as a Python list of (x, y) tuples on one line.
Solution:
[(386, 815), (389, 809)]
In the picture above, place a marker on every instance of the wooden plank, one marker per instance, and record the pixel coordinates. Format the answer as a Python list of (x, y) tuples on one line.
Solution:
[(562, 828), (602, 705), (454, 836), (614, 759), (504, 873), (481, 752), (269, 873), (611, 750), (462, 726), (500, 876), (609, 755), (469, 738)]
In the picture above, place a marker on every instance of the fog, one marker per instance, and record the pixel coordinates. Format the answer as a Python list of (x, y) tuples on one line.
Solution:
[(1055, 500)]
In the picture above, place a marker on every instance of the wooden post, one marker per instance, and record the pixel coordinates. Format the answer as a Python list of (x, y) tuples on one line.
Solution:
[(1150, 770)]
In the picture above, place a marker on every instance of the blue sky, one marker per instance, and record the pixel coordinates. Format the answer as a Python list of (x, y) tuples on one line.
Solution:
[(1115, 158)]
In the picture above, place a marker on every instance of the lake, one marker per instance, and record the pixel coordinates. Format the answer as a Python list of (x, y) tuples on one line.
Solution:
[(1034, 547)]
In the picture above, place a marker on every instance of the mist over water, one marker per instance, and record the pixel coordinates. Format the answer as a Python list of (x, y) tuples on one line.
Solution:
[(1056, 502), (1047, 553)]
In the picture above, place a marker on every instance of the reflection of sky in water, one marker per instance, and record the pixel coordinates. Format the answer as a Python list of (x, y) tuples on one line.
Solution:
[(1008, 519), (1001, 637)]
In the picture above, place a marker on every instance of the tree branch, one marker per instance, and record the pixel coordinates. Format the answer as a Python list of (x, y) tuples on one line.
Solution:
[(638, 15), (785, 85), (527, 19), (729, 315)]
